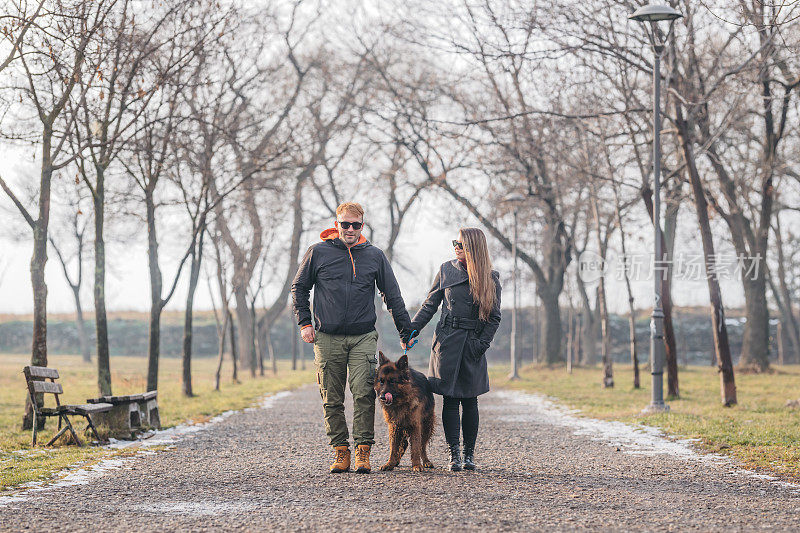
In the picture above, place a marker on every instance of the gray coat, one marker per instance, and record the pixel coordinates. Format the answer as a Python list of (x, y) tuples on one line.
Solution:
[(458, 364)]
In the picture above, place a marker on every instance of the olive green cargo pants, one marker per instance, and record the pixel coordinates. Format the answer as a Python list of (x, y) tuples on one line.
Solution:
[(334, 355)]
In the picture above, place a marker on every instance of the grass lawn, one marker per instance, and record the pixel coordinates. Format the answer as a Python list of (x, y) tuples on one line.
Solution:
[(20, 464), (760, 431)]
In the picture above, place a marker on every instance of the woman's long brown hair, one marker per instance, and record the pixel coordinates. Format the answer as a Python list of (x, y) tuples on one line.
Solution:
[(479, 270)]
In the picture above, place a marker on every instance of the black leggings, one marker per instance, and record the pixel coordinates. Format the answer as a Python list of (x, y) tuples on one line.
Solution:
[(469, 420)]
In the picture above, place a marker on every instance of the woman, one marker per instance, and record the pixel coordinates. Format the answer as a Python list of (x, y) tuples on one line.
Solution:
[(469, 290)]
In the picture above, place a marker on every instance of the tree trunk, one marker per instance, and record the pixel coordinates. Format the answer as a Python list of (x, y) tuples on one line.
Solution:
[(271, 349), (101, 320), (631, 307), (247, 349), (631, 327), (156, 303), (194, 277), (632, 335), (536, 328), (755, 340), (570, 334), (671, 345), (261, 341), (579, 340), (221, 334), (631, 311), (552, 326), (588, 329), (605, 334), (38, 262), (720, 331), (784, 297), (605, 338), (259, 338), (83, 339), (234, 355)]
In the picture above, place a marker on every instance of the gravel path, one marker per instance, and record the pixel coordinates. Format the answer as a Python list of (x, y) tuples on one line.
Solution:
[(266, 469)]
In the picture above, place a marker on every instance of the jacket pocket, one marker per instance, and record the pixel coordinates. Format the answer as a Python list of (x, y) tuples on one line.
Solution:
[(477, 348), (372, 363), (322, 381)]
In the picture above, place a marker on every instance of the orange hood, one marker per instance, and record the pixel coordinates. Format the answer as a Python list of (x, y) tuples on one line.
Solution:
[(332, 233)]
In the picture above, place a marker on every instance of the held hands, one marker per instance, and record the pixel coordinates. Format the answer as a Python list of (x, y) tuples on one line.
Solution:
[(408, 343), (308, 335)]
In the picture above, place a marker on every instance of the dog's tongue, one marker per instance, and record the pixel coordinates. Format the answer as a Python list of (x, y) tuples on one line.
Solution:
[(388, 397)]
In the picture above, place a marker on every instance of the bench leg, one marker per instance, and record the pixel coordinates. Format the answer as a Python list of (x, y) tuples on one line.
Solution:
[(67, 427), (74, 435), (35, 426), (61, 432), (91, 426)]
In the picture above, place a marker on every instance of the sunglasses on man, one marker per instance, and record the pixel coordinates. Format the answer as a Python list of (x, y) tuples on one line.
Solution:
[(458, 245), (355, 225)]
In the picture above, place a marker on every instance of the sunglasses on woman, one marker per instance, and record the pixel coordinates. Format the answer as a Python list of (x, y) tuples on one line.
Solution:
[(458, 245), (355, 225)]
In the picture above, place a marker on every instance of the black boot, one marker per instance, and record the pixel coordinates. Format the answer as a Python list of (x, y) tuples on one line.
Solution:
[(455, 458), (469, 463)]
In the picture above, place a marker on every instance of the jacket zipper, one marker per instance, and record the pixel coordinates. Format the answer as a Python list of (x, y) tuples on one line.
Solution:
[(352, 262), (349, 286)]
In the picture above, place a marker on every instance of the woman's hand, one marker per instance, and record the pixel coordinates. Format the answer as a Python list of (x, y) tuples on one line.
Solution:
[(477, 348), (406, 343)]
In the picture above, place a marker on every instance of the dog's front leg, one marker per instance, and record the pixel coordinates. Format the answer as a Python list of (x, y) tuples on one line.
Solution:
[(395, 437), (416, 447)]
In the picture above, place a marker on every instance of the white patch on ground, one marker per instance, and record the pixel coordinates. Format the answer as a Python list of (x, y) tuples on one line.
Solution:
[(193, 508), (630, 439), (81, 476)]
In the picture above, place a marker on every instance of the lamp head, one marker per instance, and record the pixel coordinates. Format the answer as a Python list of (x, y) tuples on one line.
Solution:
[(655, 13), (650, 15)]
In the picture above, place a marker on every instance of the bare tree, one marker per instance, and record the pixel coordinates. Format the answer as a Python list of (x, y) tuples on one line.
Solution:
[(782, 291), (50, 57), (626, 274), (76, 223), (762, 74)]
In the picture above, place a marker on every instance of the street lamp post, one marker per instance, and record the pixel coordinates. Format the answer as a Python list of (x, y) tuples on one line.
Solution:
[(651, 15)]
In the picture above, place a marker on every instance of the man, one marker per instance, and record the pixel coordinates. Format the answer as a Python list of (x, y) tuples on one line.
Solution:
[(344, 270)]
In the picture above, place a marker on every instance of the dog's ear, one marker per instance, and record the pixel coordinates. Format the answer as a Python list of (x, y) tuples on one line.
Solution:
[(402, 363), (382, 359)]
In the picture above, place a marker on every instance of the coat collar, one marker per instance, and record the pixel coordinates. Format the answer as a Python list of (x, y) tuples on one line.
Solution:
[(453, 273)]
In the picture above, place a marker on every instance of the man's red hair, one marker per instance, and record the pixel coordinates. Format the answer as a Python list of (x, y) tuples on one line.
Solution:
[(351, 208)]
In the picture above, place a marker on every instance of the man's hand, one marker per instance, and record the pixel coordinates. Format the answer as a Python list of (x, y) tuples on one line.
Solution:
[(308, 334), (409, 343)]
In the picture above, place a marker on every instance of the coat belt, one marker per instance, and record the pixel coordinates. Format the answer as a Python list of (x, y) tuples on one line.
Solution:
[(459, 322)]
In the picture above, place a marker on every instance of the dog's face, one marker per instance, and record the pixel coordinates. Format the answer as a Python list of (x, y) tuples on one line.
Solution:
[(391, 378)]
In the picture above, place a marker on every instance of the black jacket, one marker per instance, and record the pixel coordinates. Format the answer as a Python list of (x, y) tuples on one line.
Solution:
[(458, 364), (344, 284)]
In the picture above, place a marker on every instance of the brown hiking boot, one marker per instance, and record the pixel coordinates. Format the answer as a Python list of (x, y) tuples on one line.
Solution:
[(342, 461), (362, 459)]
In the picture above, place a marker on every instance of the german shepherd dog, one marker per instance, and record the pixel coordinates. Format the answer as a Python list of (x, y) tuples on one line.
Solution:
[(407, 401)]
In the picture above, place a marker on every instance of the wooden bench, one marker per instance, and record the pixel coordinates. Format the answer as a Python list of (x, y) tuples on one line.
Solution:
[(131, 412), (35, 376)]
